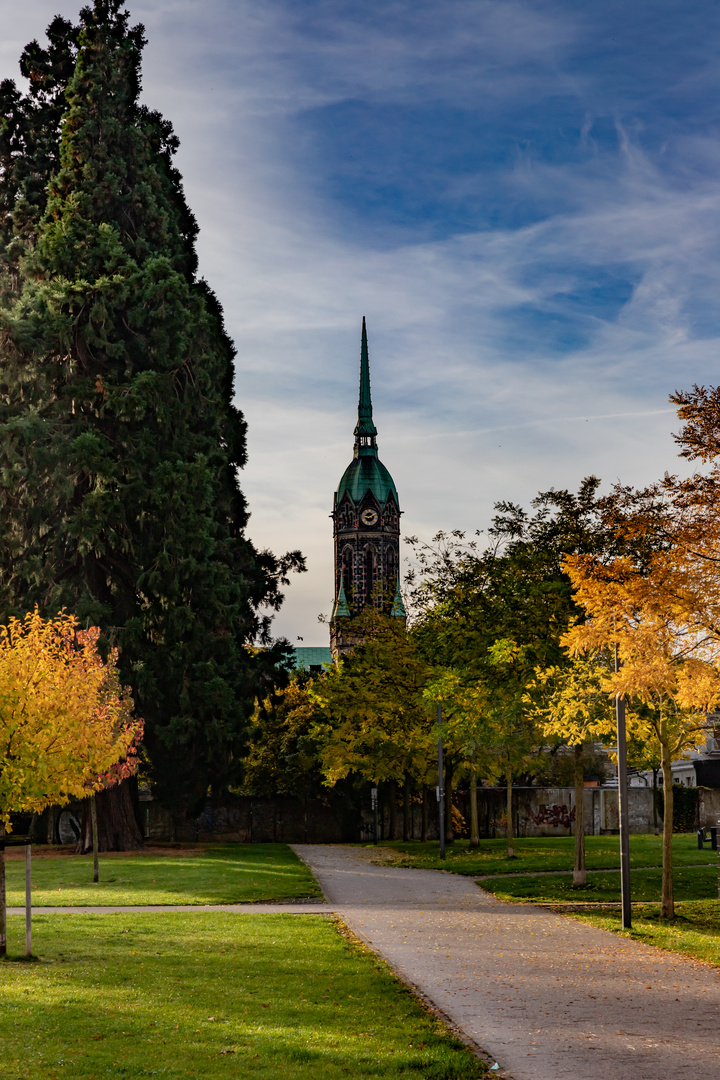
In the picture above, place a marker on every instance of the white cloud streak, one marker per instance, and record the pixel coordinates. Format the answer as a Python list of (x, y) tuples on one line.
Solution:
[(473, 399)]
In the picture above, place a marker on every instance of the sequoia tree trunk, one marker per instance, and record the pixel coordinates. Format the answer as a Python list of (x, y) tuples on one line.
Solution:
[(579, 872), (667, 902), (117, 826)]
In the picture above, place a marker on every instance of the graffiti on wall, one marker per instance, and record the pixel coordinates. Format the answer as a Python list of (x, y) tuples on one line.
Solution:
[(553, 815)]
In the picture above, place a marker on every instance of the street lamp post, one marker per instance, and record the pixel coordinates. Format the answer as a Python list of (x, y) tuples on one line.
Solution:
[(624, 821), (440, 788)]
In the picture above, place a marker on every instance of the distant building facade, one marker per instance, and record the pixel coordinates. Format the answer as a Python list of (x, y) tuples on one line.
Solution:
[(366, 529), (701, 768)]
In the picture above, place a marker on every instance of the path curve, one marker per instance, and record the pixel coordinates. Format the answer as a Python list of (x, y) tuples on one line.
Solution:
[(550, 998)]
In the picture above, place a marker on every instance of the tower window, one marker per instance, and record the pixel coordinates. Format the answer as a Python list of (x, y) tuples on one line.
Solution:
[(347, 572), (390, 570), (369, 575)]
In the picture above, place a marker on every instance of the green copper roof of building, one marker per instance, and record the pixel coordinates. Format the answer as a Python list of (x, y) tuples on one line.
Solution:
[(366, 473)]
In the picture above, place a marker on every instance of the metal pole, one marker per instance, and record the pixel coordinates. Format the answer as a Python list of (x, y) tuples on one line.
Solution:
[(374, 799), (623, 807), (440, 790), (28, 900)]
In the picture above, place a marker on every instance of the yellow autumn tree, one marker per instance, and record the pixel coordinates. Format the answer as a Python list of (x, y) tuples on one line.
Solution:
[(465, 725), (65, 720), (571, 702), (667, 670), (375, 724)]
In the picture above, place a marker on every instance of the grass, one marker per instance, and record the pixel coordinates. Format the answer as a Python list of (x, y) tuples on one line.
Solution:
[(689, 884), (215, 874), (212, 996), (542, 853), (694, 932)]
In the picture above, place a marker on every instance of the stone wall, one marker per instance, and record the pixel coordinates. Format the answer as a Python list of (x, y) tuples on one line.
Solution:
[(252, 820)]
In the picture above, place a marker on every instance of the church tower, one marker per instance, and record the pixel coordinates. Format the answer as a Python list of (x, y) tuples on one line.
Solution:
[(366, 529)]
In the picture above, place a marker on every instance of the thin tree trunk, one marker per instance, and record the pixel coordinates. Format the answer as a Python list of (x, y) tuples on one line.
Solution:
[(579, 873), (93, 820), (474, 827), (3, 900), (655, 802), (393, 808), (509, 813), (449, 834), (28, 899), (667, 904), (407, 826), (424, 821)]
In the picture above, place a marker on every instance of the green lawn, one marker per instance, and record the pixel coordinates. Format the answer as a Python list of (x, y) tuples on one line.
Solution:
[(539, 853), (212, 996), (220, 874), (689, 884), (694, 932)]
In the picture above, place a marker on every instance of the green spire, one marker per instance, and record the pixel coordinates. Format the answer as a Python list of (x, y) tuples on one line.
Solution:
[(340, 608), (398, 609), (365, 430)]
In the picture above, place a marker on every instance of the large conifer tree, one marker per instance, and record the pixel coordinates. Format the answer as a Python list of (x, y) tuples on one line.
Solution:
[(119, 442)]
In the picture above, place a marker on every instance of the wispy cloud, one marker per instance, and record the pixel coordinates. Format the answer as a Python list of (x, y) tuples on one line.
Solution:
[(522, 197)]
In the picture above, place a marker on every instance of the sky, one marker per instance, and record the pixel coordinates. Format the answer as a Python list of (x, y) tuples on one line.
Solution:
[(523, 199)]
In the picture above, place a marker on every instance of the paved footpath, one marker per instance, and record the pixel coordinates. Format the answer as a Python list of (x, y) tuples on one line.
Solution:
[(550, 998)]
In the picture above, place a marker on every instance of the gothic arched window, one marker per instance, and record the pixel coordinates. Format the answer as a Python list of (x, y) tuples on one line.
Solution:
[(347, 572), (369, 575), (390, 570)]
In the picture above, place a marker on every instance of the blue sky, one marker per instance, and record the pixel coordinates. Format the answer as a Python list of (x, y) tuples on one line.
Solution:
[(522, 198)]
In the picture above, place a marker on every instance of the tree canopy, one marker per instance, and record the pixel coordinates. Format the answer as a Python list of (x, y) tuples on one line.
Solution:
[(66, 723), (119, 439)]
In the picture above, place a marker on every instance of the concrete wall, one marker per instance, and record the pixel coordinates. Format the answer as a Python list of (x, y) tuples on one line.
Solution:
[(537, 812), (551, 811)]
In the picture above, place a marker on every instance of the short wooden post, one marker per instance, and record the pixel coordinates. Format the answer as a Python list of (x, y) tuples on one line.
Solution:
[(28, 899)]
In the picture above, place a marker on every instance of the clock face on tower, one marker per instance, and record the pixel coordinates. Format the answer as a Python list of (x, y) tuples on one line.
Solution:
[(369, 517)]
